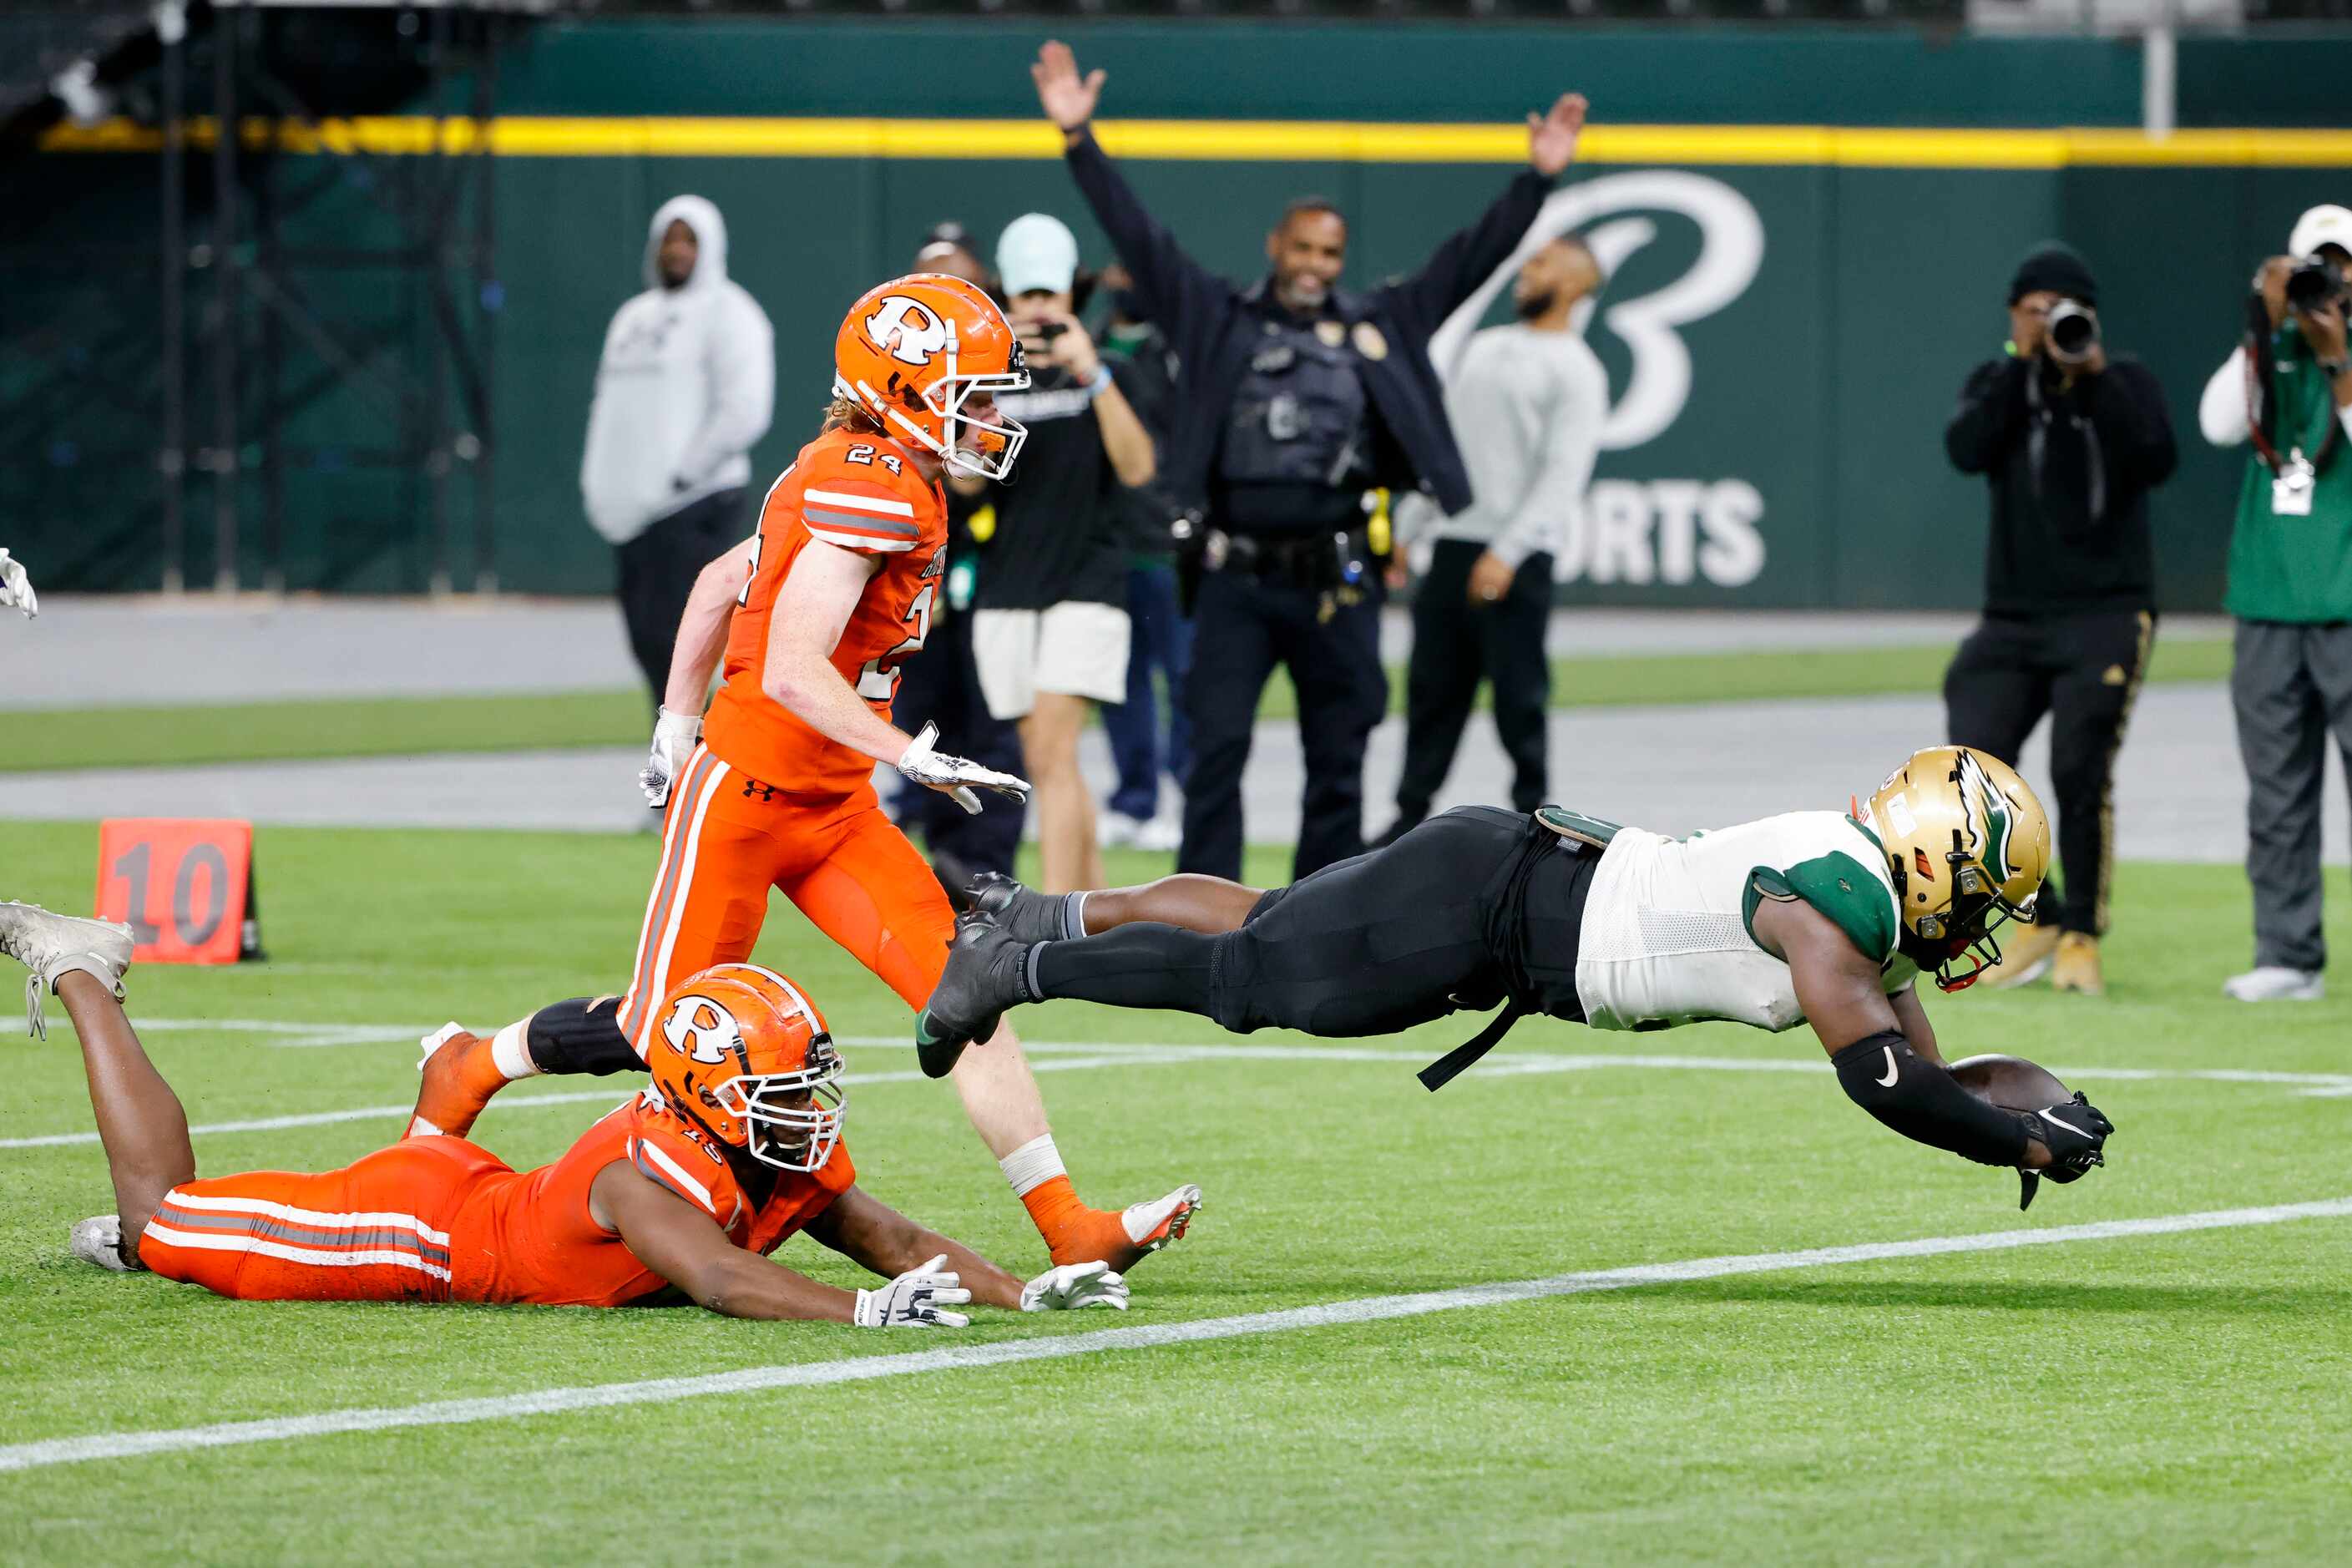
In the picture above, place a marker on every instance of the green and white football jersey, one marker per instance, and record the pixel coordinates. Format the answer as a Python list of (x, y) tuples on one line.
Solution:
[(1669, 936)]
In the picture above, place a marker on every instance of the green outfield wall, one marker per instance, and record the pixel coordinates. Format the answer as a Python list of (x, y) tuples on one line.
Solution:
[(1812, 233)]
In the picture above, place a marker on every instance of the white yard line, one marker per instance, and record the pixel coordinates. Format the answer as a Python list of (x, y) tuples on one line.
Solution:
[(612, 1095), (1149, 1336), (1067, 1055), (2319, 1085)]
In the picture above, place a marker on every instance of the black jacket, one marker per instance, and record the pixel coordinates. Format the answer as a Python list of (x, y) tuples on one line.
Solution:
[(1208, 322), (2070, 474)]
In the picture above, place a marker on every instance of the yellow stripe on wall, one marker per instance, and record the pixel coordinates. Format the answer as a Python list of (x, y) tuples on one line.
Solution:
[(1270, 140)]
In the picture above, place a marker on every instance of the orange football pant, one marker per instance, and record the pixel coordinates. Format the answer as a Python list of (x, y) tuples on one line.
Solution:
[(727, 838), (376, 1230)]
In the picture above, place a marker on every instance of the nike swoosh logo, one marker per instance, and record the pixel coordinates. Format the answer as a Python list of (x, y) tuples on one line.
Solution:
[(2056, 1121), (1893, 1072), (923, 1035)]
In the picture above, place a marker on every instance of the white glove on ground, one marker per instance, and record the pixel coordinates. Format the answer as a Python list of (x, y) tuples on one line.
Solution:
[(675, 737), (914, 1298), (16, 588), (937, 770), (1074, 1285)]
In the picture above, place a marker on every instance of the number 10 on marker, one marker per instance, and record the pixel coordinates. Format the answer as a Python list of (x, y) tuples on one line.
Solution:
[(184, 885)]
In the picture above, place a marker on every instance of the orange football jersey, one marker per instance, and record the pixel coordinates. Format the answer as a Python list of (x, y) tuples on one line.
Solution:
[(528, 1237), (861, 493)]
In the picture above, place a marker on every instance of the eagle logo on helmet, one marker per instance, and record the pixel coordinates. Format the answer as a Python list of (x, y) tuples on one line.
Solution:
[(701, 1030), (1985, 804), (907, 330)]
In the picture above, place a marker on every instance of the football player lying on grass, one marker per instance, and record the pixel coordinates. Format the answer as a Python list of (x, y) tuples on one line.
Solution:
[(1823, 917), (679, 1192)]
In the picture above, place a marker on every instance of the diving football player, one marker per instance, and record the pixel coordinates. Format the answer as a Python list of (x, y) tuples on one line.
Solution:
[(1824, 918)]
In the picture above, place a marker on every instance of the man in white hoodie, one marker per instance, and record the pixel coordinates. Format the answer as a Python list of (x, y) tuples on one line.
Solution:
[(686, 386)]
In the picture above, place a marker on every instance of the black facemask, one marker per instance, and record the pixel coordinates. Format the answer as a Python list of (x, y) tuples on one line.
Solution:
[(1534, 305)]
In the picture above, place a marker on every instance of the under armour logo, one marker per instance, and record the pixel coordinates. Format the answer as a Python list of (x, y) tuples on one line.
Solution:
[(766, 793)]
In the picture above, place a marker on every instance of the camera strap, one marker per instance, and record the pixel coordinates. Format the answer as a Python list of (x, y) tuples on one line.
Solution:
[(2259, 396), (2037, 445)]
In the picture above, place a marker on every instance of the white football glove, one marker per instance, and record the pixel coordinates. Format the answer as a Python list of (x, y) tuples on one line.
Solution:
[(914, 1299), (937, 770), (1074, 1285), (16, 588), (675, 737)]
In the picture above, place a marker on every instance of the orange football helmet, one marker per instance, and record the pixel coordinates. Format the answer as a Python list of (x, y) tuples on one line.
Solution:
[(925, 354), (744, 1056)]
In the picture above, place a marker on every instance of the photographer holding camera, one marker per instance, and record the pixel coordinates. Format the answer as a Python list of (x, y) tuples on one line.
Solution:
[(2286, 388), (2071, 443)]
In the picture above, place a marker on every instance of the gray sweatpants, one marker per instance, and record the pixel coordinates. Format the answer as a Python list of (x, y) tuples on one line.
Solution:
[(2291, 685)]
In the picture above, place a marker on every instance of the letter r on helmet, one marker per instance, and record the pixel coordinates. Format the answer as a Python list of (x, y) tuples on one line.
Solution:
[(907, 329), (701, 1029)]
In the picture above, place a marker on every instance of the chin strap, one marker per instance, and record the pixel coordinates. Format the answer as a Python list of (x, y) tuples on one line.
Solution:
[(1451, 1066)]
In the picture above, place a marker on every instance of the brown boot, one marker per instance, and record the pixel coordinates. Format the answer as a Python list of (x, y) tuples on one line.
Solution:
[(2024, 956), (2075, 966)]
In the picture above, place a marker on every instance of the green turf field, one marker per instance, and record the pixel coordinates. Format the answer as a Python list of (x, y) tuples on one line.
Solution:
[(2175, 1398), (397, 726)]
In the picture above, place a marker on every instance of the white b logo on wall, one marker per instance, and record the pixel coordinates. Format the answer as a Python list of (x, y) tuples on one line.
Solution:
[(1654, 530), (909, 329)]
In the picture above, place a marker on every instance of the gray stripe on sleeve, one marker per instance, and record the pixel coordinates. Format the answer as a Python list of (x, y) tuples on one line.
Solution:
[(903, 527)]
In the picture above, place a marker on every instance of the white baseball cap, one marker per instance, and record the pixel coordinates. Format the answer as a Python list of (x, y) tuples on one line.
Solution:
[(1036, 251), (2328, 225)]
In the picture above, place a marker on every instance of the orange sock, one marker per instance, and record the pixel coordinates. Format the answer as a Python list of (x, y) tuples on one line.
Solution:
[(458, 1080), (1073, 1231)]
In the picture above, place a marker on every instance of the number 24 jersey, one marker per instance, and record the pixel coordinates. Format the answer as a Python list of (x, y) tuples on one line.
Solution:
[(858, 493)]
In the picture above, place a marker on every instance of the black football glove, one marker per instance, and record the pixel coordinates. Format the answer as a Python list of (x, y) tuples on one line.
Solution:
[(2075, 1134)]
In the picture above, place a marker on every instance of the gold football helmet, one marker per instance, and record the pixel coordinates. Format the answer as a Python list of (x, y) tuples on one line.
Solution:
[(1969, 845)]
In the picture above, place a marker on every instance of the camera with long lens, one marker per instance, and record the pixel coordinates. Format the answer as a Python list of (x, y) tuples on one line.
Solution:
[(2072, 331), (2314, 285)]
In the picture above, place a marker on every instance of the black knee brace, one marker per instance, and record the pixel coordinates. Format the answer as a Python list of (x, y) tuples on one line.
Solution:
[(582, 1035)]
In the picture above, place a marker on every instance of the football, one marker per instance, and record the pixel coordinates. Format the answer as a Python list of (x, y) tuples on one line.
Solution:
[(2010, 1082)]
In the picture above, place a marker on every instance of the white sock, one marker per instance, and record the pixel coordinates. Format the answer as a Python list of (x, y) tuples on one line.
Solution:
[(1032, 1164), (510, 1049)]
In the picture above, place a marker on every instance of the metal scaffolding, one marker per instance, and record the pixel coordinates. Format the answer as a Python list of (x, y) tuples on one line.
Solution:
[(265, 327)]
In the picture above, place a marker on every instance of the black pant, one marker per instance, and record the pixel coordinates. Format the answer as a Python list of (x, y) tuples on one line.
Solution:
[(1471, 907), (941, 686), (658, 572), (1457, 644), (1244, 624), (2084, 671)]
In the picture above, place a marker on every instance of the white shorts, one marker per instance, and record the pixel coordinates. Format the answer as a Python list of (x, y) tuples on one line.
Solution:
[(1076, 649)]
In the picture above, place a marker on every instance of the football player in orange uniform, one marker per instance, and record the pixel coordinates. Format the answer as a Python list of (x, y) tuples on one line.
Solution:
[(683, 1190), (814, 614)]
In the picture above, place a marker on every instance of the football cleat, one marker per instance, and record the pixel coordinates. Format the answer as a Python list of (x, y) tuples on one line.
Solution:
[(1152, 1225), (1027, 916), (1127, 1238), (981, 980), (52, 944), (99, 1239)]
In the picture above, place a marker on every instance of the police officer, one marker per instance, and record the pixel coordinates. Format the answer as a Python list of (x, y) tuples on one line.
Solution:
[(1300, 397)]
